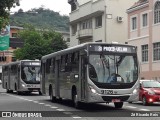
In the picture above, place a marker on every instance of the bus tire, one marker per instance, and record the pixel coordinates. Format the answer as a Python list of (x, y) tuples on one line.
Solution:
[(11, 91), (52, 98), (76, 103), (118, 104), (18, 93), (40, 93), (7, 91)]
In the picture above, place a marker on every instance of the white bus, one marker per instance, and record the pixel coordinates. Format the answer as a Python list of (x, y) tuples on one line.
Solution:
[(92, 73), (21, 76)]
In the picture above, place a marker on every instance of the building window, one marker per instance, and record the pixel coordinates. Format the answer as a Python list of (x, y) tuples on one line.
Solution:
[(13, 59), (134, 23), (87, 24), (14, 34), (156, 51), (99, 21), (74, 29), (98, 41), (145, 20), (3, 58), (157, 12), (144, 53)]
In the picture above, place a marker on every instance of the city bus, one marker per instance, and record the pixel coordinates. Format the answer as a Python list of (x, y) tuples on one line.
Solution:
[(21, 76), (92, 73)]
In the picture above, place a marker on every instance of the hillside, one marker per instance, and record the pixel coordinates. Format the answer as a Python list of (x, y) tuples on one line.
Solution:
[(40, 18)]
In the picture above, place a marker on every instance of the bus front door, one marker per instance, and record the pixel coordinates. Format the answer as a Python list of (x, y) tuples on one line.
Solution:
[(82, 79), (57, 87)]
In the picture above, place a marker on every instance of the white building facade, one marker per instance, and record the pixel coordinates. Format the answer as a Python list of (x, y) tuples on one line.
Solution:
[(99, 21)]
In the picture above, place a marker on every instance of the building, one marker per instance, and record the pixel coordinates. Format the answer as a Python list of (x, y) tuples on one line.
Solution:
[(143, 31), (7, 55), (98, 21)]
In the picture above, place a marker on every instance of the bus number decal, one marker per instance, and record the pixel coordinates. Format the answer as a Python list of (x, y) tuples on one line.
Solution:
[(107, 92)]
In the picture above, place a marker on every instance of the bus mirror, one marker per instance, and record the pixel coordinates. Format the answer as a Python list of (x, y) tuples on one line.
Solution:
[(140, 86)]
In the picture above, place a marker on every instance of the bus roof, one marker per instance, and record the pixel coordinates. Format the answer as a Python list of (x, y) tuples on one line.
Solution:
[(78, 47)]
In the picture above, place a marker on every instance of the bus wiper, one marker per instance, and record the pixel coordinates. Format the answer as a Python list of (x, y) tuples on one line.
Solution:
[(120, 60)]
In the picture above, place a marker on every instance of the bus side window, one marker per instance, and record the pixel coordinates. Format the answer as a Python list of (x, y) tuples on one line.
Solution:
[(63, 64), (48, 64), (68, 63), (52, 67)]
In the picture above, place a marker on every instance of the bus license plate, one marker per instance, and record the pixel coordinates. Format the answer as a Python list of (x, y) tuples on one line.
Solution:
[(116, 100)]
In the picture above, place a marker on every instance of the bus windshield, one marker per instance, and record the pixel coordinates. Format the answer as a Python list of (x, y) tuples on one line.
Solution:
[(30, 74), (113, 68)]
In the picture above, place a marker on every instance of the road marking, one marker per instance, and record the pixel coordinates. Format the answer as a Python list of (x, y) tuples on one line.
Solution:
[(76, 117), (41, 103), (145, 109), (60, 109), (131, 107), (35, 101), (47, 105), (53, 107)]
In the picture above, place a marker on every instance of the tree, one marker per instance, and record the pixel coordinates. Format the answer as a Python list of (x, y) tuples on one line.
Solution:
[(5, 6), (39, 43), (41, 18)]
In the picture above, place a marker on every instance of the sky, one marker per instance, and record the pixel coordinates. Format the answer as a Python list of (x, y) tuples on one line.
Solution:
[(60, 6)]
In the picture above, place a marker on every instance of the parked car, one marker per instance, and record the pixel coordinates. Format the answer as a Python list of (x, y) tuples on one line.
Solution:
[(0, 81), (149, 91)]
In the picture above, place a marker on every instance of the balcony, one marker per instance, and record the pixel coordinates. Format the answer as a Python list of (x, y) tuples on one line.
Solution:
[(86, 11), (85, 33)]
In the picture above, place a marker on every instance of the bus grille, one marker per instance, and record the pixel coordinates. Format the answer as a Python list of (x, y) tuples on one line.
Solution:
[(110, 98)]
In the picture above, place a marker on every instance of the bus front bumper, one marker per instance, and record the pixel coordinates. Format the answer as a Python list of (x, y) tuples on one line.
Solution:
[(99, 98)]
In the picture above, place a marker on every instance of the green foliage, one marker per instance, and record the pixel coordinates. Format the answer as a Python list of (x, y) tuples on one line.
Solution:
[(3, 22), (41, 18), (39, 43), (5, 6)]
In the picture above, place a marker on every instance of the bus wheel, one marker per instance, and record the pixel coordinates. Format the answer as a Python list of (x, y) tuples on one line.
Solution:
[(11, 91), (118, 104), (7, 91), (77, 104), (18, 93), (40, 93), (52, 98)]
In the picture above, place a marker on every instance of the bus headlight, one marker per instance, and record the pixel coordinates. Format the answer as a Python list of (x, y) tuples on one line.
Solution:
[(23, 85), (135, 91), (92, 89)]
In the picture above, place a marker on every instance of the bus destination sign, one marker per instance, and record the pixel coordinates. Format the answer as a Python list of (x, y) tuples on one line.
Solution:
[(31, 63), (119, 49)]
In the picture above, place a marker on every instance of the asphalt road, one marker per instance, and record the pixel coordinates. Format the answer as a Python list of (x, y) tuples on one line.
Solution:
[(41, 105)]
